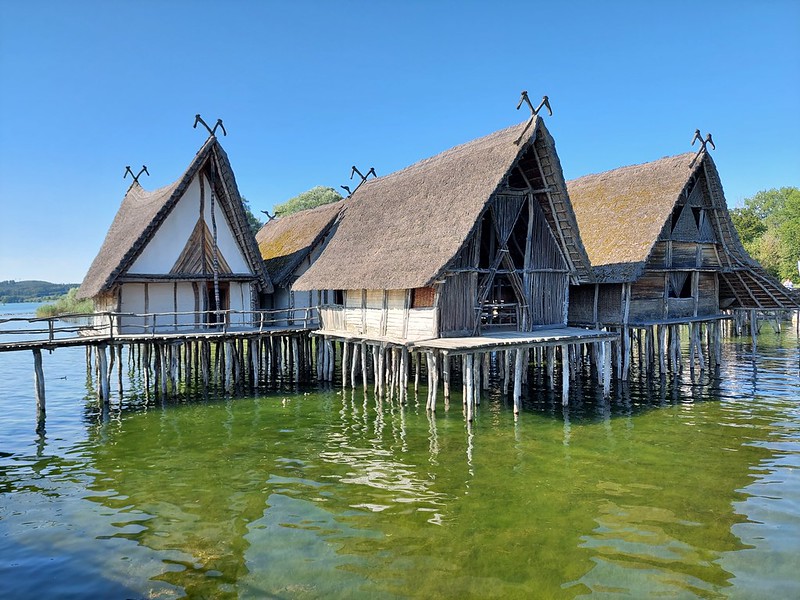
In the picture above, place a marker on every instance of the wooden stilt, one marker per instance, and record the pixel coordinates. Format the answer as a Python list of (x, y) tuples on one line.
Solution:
[(606, 368), (564, 374), (345, 363), (476, 373), (354, 364), (470, 383), (38, 381), (103, 385), (446, 378), (417, 361), (518, 380), (404, 375), (364, 366), (506, 371)]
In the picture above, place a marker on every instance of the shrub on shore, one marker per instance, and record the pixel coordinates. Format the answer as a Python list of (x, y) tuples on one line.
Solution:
[(67, 304)]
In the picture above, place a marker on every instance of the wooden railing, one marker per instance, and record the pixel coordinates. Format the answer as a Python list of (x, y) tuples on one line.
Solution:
[(114, 324)]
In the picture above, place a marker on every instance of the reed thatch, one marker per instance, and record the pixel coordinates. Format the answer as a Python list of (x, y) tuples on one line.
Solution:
[(284, 242), (142, 212), (621, 213), (400, 231)]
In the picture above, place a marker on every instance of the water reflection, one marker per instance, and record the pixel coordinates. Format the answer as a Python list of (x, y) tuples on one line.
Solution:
[(670, 487)]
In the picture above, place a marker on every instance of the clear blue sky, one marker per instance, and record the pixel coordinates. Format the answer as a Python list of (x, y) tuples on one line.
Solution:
[(307, 89)]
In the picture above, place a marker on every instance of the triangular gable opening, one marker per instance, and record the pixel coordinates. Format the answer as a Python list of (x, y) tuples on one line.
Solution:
[(684, 226), (198, 254)]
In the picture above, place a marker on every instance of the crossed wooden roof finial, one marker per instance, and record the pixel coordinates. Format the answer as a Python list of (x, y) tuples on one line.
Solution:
[(211, 132), (353, 171), (135, 177), (703, 142)]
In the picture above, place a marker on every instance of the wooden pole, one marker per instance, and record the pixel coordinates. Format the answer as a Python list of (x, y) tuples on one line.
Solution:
[(446, 378), (468, 376), (606, 368), (416, 372), (103, 383), (38, 381), (518, 381), (364, 366), (345, 363), (564, 374), (354, 365)]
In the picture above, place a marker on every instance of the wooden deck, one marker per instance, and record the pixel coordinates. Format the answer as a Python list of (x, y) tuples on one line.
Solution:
[(488, 342), (506, 340), (193, 335)]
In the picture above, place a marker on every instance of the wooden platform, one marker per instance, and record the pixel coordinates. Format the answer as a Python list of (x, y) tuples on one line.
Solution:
[(488, 342), (506, 340), (193, 334)]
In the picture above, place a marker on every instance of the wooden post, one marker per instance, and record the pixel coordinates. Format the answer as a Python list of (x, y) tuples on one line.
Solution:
[(662, 350), (470, 382), (354, 365), (381, 375), (403, 398), (564, 374), (364, 366), (446, 378), (506, 371), (345, 364), (429, 362), (318, 344), (103, 383), (38, 380), (518, 380), (606, 368), (416, 372)]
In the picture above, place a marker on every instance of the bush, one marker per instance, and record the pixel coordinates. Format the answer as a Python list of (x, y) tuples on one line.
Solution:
[(67, 304)]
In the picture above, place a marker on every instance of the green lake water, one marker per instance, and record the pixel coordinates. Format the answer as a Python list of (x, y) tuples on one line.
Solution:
[(678, 490)]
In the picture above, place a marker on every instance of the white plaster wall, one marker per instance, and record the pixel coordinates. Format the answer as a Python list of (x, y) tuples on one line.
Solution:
[(169, 240), (185, 298), (132, 301), (240, 301)]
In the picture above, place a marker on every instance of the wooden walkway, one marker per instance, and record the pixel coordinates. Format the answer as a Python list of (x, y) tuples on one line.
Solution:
[(182, 336), (505, 340)]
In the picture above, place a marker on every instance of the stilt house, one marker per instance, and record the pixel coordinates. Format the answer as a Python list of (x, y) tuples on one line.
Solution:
[(289, 245), (663, 247), (185, 249), (478, 238)]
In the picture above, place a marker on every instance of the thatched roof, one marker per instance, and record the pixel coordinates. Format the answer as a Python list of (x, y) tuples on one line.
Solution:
[(400, 231), (284, 242), (142, 212), (621, 213)]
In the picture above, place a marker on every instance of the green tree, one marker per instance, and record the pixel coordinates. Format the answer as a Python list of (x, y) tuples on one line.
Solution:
[(316, 196), (769, 226), (748, 224), (252, 220)]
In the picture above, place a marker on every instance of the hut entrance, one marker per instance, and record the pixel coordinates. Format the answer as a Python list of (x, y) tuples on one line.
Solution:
[(213, 318), (501, 295), (501, 308)]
